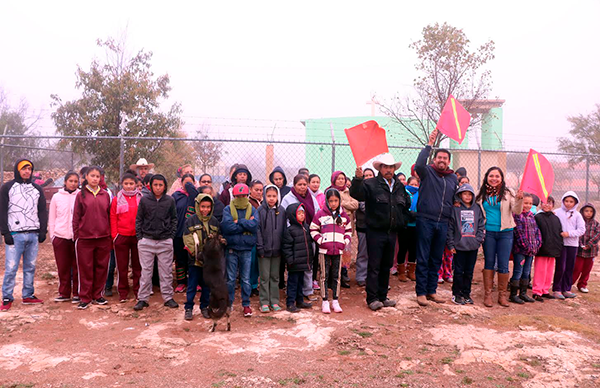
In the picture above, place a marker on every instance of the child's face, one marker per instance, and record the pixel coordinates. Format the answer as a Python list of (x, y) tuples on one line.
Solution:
[(140, 185), (300, 216), (93, 178), (257, 192), (72, 183), (271, 197), (128, 184), (334, 202), (158, 187), (527, 204), (547, 206), (463, 180), (588, 213), (315, 184), (569, 202), (414, 183), (241, 177), (467, 197), (205, 208)]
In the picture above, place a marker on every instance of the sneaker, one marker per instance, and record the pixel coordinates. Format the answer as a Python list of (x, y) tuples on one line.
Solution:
[(293, 309), (457, 299), (569, 294), (304, 305), (375, 305), (558, 295), (171, 303), (205, 313), (125, 300), (188, 315), (264, 308), (108, 292), (548, 296), (449, 280), (316, 285), (254, 292), (538, 298), (584, 290), (6, 304), (389, 303), (247, 311), (83, 305), (325, 307), (440, 281), (140, 305), (62, 299), (335, 305), (468, 300), (75, 300), (100, 301), (394, 271), (312, 298), (276, 307), (32, 300), (180, 288)]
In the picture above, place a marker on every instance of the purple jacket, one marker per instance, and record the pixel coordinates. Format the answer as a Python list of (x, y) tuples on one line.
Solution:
[(528, 238), (332, 235)]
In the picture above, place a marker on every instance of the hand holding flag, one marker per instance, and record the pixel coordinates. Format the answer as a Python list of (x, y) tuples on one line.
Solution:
[(454, 120)]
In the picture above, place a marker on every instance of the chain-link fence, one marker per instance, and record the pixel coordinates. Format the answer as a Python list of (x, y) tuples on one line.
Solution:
[(215, 156)]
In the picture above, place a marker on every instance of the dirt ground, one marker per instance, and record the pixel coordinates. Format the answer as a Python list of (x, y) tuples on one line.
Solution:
[(551, 344)]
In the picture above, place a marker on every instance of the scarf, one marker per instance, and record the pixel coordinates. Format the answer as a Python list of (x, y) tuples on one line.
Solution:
[(307, 202), (240, 203), (412, 189), (442, 173), (334, 177), (122, 204), (491, 191)]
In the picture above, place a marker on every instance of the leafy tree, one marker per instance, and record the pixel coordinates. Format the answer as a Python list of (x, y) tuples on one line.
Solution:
[(120, 97), (207, 153), (446, 66)]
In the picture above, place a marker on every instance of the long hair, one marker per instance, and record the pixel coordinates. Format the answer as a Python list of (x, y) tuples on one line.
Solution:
[(483, 196)]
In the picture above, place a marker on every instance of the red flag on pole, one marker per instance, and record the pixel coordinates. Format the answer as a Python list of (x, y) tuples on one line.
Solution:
[(538, 176), (366, 140), (454, 120)]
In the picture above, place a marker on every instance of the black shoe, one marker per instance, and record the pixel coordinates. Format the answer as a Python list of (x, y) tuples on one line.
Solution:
[(140, 305), (282, 285), (100, 301), (514, 289), (548, 296), (108, 292), (345, 284), (304, 305), (254, 292), (293, 309), (188, 315), (457, 299), (538, 298), (83, 305), (345, 278), (171, 303), (468, 300), (205, 313), (361, 283)]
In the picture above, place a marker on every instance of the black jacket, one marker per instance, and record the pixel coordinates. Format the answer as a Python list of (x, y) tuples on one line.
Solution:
[(156, 219), (384, 210), (297, 245), (361, 218), (551, 228), (271, 226)]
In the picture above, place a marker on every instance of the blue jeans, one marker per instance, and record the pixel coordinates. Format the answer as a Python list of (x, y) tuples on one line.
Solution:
[(239, 260), (26, 245), (254, 270), (294, 288), (496, 250), (521, 266), (431, 239), (196, 279)]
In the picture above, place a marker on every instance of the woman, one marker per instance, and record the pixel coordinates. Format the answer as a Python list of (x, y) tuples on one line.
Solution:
[(499, 204)]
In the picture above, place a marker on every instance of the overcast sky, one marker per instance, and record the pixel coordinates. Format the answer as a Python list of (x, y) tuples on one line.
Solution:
[(273, 61)]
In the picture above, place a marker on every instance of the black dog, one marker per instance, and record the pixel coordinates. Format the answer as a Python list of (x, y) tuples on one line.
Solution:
[(213, 273)]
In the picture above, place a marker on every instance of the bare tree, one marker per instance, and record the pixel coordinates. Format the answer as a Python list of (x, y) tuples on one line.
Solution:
[(207, 153)]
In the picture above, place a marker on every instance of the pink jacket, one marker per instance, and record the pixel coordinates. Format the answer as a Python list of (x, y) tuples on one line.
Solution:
[(60, 217)]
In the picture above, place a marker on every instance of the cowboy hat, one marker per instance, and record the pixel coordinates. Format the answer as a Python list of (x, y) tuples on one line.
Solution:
[(141, 163), (386, 159)]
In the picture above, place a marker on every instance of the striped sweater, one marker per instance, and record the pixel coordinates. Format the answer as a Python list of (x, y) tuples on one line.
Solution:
[(331, 237)]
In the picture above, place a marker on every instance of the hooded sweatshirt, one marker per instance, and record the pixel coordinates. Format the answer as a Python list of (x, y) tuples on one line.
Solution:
[(271, 227), (296, 246), (60, 216), (591, 237), (156, 217), (22, 205), (227, 195), (467, 224), (198, 228), (332, 232), (571, 220), (285, 189)]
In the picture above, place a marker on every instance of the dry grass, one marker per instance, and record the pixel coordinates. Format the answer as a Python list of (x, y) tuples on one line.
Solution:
[(548, 323)]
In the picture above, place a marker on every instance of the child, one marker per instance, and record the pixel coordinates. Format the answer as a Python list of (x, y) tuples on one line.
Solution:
[(91, 229), (407, 237), (123, 211), (588, 248), (552, 244), (256, 199), (155, 228), (198, 228), (297, 252), (332, 231), (465, 235), (573, 227), (527, 242), (60, 226), (184, 203), (240, 224), (270, 233)]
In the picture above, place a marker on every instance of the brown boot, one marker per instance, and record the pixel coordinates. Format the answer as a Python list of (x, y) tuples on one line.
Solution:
[(402, 273), (488, 279), (411, 271), (502, 289)]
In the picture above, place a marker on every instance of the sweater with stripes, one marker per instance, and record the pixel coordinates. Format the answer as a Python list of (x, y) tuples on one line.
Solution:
[(332, 234)]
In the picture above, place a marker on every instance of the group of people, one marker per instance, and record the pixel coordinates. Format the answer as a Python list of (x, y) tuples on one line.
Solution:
[(428, 228)]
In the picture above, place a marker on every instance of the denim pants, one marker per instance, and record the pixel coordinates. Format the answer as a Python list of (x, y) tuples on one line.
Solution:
[(464, 264), (26, 245), (294, 288), (362, 257), (196, 279), (496, 250), (254, 270), (239, 261), (521, 266), (430, 248)]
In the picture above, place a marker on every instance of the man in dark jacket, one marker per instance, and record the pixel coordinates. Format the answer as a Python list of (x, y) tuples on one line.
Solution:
[(386, 207), (434, 207), (23, 223)]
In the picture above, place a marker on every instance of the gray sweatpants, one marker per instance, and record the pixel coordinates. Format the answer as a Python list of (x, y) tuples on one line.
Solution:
[(163, 249), (362, 258)]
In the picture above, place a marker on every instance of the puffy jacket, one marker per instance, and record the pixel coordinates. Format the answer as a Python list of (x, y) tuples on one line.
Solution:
[(384, 210), (436, 193), (240, 236), (466, 228), (550, 229), (591, 236), (156, 218), (571, 220), (331, 235), (60, 216), (195, 233), (285, 189), (271, 227), (296, 246)]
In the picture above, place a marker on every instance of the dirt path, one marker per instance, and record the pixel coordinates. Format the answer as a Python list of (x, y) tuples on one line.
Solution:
[(554, 344)]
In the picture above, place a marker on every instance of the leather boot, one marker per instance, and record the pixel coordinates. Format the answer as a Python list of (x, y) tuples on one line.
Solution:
[(488, 279), (514, 289), (523, 285), (402, 272), (502, 289), (412, 267)]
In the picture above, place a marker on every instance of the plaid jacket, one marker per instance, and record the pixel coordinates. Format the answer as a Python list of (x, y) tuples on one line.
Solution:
[(590, 239), (528, 238)]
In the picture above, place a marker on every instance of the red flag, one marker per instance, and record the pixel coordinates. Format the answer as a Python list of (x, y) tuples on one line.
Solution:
[(367, 140), (454, 120), (538, 177)]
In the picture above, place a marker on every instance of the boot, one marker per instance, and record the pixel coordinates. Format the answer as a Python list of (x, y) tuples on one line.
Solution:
[(502, 291), (514, 289), (488, 279), (345, 280), (524, 284), (411, 271), (402, 273)]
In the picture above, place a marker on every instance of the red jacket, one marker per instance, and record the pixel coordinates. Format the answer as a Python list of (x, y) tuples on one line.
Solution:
[(124, 223), (91, 215)]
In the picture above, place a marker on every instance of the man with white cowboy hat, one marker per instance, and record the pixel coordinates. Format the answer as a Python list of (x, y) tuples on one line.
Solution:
[(142, 167), (386, 209)]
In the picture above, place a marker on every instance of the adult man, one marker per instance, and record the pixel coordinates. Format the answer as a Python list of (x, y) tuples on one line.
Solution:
[(142, 167), (386, 208), (436, 194), (23, 223)]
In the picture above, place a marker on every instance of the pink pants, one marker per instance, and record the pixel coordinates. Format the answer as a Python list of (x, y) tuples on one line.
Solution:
[(543, 273), (445, 271), (582, 270)]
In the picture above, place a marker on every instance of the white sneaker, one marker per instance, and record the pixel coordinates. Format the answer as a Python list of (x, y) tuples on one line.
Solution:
[(335, 305), (325, 307), (440, 281), (584, 290)]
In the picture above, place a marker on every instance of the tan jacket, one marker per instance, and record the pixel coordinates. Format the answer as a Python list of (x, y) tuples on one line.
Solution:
[(348, 203), (510, 205)]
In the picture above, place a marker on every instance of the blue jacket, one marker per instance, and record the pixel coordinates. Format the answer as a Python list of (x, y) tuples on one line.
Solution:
[(240, 236), (436, 193), (185, 206)]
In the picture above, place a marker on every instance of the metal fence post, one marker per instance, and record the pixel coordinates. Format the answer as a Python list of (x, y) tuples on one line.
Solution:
[(587, 178)]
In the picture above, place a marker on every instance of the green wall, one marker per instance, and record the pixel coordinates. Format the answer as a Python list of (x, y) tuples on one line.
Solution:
[(491, 130)]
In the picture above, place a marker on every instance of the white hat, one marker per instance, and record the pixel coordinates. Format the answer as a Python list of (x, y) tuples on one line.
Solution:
[(386, 159), (141, 163)]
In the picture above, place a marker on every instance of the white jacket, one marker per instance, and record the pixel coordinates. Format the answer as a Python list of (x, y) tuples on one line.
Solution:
[(60, 217), (571, 221)]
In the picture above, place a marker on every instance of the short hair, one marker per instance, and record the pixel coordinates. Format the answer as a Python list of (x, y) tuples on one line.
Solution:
[(147, 178), (300, 177), (311, 176), (128, 175), (303, 170), (550, 200), (527, 195), (254, 183), (461, 171), (444, 151)]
